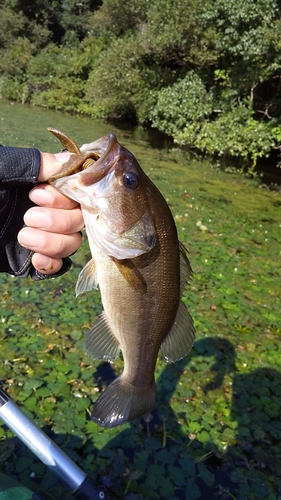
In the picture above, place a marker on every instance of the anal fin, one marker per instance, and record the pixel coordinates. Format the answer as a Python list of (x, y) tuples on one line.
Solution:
[(100, 343), (180, 339)]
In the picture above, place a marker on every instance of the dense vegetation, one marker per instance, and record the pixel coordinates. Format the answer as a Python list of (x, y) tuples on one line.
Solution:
[(205, 72)]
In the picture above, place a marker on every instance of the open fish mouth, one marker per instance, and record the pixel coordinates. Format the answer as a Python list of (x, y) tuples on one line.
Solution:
[(100, 146), (106, 147), (88, 168)]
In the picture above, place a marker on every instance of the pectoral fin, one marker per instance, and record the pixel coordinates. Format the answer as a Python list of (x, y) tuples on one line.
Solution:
[(180, 339), (100, 343), (87, 279), (131, 274)]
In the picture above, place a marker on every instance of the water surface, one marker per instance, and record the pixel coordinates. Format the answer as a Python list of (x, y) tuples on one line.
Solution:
[(216, 427)]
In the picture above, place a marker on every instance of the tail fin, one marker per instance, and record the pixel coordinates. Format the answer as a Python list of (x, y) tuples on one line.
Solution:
[(122, 401)]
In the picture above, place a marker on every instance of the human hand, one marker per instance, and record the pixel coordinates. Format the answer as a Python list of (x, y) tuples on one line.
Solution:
[(52, 227)]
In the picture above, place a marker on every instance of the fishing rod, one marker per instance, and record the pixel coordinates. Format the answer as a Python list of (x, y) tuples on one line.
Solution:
[(48, 452)]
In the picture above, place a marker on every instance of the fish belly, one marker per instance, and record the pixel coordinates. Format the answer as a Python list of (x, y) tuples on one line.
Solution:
[(139, 321)]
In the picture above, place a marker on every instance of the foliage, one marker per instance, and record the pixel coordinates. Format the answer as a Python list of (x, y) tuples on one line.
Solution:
[(76, 17), (136, 61), (238, 134), (16, 58), (111, 86), (177, 105), (174, 35), (234, 133), (14, 24), (14, 89), (56, 77), (114, 20), (215, 432), (122, 86)]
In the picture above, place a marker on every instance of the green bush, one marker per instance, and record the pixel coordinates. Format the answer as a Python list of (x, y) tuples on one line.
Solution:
[(182, 107), (235, 134), (63, 94), (112, 85), (13, 89), (15, 58), (56, 76), (186, 112)]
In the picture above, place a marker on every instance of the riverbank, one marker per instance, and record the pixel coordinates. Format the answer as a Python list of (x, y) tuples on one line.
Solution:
[(266, 170)]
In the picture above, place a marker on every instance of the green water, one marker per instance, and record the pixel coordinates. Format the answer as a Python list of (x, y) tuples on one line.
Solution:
[(216, 430)]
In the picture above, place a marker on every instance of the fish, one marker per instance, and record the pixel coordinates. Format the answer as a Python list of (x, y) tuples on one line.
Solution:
[(141, 268)]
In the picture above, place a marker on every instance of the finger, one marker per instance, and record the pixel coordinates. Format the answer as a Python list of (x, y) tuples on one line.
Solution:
[(45, 264), (54, 220), (47, 196), (51, 244)]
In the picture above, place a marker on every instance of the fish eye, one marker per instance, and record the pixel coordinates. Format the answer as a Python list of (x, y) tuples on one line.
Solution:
[(131, 180)]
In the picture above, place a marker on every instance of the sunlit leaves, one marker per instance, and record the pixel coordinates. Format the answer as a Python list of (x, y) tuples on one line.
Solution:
[(177, 106)]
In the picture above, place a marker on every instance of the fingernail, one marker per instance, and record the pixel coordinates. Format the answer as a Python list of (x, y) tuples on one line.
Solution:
[(31, 238), (37, 217), (43, 263), (41, 196)]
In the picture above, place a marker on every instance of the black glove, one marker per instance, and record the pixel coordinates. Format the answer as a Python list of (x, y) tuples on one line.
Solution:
[(15, 259)]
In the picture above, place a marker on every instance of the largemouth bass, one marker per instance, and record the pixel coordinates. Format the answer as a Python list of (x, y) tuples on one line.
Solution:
[(141, 269)]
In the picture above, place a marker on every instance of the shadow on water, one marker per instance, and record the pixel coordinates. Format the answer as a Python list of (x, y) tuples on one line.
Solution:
[(253, 460), (250, 463), (157, 457)]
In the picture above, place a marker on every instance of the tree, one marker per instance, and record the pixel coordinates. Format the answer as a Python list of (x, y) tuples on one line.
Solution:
[(206, 72), (182, 106), (76, 16)]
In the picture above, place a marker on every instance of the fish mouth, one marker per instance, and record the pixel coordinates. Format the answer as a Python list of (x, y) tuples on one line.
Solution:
[(109, 149)]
